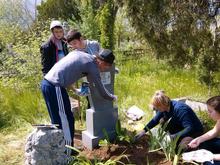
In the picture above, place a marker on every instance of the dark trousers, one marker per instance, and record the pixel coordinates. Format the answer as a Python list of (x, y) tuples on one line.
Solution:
[(210, 163), (59, 108), (212, 145)]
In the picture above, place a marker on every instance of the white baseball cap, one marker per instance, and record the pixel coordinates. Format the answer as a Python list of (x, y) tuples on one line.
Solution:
[(55, 23)]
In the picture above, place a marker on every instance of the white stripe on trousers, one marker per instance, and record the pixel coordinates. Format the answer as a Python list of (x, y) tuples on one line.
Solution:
[(64, 120)]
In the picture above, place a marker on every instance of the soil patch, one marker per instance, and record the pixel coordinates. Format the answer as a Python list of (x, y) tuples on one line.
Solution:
[(135, 154)]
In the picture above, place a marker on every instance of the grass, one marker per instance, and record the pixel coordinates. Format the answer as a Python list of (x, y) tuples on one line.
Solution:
[(135, 84), (140, 78), (12, 145), (18, 106)]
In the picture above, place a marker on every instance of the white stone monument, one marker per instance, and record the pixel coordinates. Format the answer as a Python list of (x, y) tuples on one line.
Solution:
[(102, 115)]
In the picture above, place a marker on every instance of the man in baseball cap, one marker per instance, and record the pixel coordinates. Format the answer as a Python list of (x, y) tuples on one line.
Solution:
[(71, 68), (107, 56)]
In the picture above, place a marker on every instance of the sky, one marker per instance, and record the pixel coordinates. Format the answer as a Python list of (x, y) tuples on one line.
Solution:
[(30, 4)]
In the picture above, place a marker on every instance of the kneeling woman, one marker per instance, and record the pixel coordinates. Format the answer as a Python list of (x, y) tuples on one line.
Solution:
[(211, 140), (183, 122)]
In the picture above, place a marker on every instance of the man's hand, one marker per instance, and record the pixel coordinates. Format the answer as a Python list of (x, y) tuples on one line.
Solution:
[(84, 90), (115, 98), (139, 135)]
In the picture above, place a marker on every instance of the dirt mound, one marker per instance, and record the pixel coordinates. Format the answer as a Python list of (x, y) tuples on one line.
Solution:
[(135, 153)]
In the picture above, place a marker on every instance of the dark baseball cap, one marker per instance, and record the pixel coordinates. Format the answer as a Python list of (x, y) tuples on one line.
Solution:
[(106, 55)]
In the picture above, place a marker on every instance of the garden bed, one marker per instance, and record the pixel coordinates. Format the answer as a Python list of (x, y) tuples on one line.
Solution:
[(135, 153)]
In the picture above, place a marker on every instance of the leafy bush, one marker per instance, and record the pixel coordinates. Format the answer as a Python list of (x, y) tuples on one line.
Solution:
[(20, 62)]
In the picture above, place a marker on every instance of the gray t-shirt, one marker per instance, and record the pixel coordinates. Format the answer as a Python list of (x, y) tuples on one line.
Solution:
[(92, 47), (74, 66)]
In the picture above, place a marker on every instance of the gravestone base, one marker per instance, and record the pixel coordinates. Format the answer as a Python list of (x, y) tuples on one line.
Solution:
[(96, 122), (89, 141)]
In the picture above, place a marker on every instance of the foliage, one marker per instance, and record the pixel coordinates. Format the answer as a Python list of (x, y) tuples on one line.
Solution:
[(106, 140), (208, 64), (21, 60), (172, 31), (125, 35), (122, 134), (56, 9), (161, 139), (106, 19), (89, 24), (138, 80), (82, 160), (16, 13), (98, 20)]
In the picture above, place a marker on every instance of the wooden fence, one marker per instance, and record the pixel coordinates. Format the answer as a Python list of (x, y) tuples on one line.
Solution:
[(131, 54)]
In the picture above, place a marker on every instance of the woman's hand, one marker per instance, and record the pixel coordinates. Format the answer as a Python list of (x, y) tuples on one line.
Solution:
[(194, 143), (139, 135)]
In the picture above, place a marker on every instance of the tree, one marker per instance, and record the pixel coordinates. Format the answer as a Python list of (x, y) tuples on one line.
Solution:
[(88, 25), (106, 18), (15, 13), (98, 19), (171, 28), (58, 9)]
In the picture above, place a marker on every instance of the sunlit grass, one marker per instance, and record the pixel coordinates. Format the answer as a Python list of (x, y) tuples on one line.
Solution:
[(139, 79), (13, 144), (18, 106)]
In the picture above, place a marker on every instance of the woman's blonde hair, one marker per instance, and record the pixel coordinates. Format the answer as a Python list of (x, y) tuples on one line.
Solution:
[(159, 98)]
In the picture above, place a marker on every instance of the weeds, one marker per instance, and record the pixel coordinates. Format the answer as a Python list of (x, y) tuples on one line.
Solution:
[(20, 106), (162, 141), (106, 140), (122, 134)]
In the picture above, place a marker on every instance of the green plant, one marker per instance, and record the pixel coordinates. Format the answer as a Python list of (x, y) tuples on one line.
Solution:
[(122, 134), (162, 141), (106, 140), (88, 24)]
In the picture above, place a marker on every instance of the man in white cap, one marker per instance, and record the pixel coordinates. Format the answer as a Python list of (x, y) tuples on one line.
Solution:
[(55, 48)]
